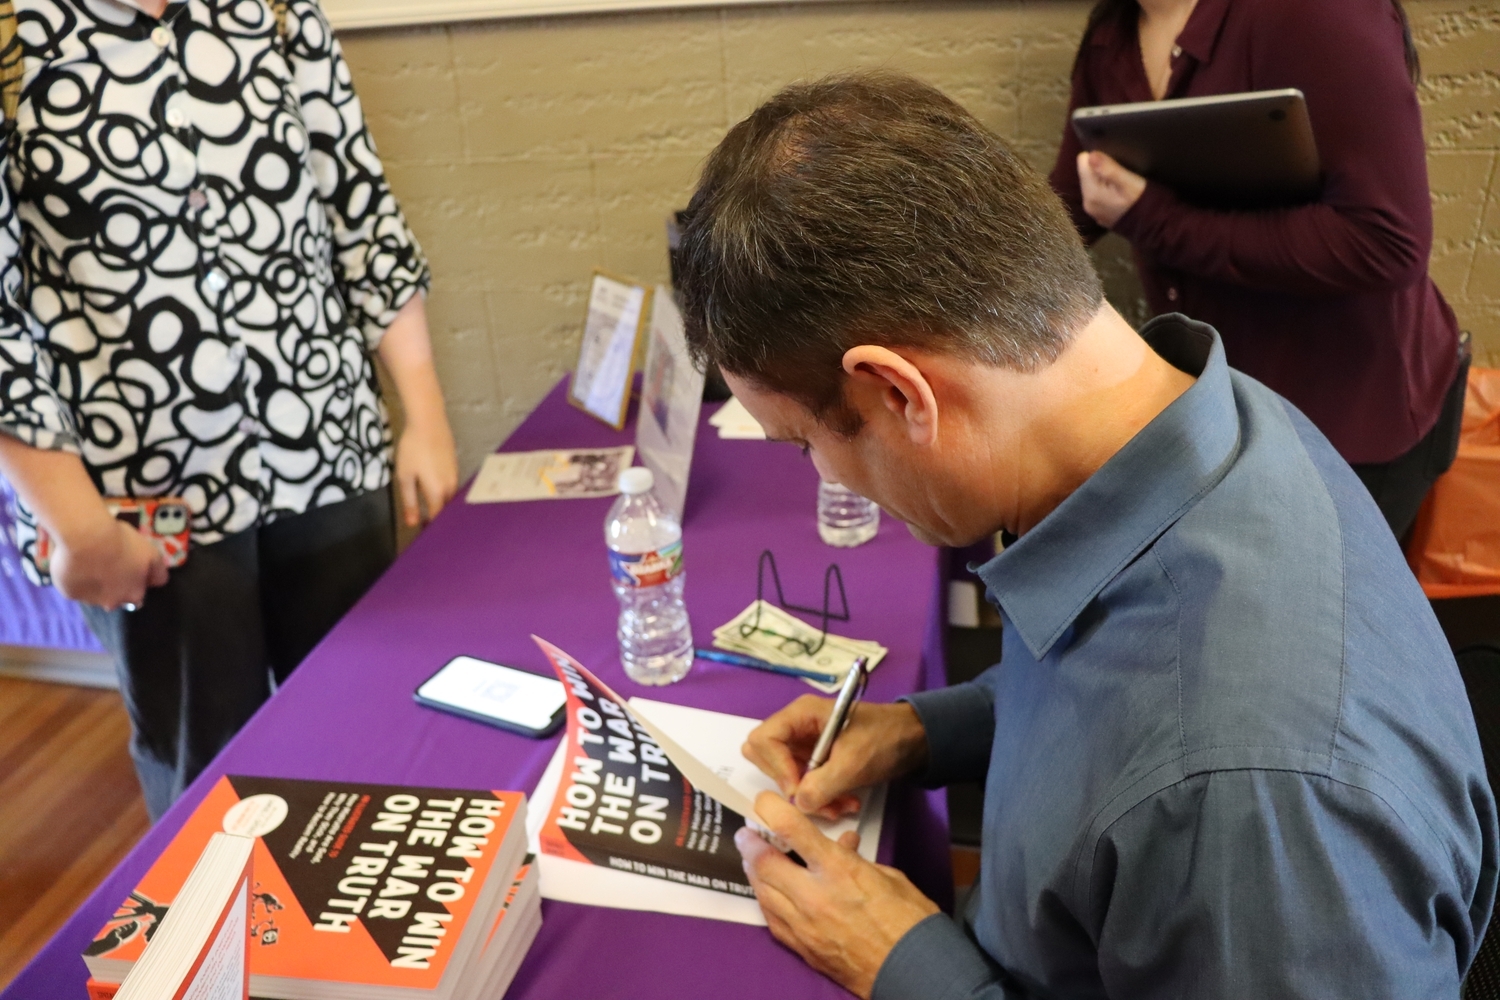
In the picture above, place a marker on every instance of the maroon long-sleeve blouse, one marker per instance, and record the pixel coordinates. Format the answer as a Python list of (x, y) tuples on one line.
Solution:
[(1328, 303)]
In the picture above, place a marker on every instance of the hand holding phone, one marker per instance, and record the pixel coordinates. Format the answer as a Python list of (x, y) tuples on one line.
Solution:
[(512, 699), (164, 521)]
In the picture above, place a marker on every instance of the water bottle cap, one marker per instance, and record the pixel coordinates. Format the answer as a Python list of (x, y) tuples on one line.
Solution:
[(635, 480)]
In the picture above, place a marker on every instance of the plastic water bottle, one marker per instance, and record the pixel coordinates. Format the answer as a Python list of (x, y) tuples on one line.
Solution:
[(845, 518), (645, 562)]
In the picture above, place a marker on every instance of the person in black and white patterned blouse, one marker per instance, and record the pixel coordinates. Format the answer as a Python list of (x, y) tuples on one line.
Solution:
[(199, 253)]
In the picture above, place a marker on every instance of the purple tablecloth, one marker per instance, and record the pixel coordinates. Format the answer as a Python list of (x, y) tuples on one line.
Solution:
[(478, 581), (32, 615)]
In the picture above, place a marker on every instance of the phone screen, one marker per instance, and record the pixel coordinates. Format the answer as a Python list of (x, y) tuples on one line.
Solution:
[(512, 698)]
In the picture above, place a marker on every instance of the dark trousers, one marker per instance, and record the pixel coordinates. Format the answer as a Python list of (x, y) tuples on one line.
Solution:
[(196, 659), (1400, 485)]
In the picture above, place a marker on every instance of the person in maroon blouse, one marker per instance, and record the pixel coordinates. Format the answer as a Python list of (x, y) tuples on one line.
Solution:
[(1329, 303)]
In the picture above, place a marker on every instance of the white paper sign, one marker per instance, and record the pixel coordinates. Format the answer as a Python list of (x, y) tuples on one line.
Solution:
[(601, 382), (671, 397)]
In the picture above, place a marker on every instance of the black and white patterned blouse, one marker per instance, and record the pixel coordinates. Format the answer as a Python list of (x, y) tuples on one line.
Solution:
[(198, 251)]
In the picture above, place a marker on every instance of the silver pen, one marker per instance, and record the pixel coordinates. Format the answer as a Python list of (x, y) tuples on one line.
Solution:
[(843, 708)]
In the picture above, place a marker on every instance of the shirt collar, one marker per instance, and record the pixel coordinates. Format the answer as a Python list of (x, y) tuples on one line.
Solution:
[(1198, 37), (1044, 579), (1201, 33)]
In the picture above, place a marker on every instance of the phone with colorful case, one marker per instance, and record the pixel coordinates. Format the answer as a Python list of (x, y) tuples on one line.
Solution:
[(163, 520)]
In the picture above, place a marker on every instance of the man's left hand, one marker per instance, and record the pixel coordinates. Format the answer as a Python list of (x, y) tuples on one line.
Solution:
[(841, 913), (1109, 190)]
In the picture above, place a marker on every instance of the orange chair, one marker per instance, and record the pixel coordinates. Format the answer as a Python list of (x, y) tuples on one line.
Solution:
[(1455, 544)]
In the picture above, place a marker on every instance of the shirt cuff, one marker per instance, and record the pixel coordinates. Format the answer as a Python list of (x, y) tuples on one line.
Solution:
[(935, 960), (377, 315), (41, 437), (1142, 221), (960, 725)]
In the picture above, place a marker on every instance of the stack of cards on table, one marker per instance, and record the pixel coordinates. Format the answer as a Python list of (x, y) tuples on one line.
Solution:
[(734, 421), (782, 639), (341, 891)]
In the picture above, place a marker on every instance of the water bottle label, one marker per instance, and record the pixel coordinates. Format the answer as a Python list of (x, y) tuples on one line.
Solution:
[(647, 569)]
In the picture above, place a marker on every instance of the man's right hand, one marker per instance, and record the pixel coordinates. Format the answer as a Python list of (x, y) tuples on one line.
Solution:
[(880, 743), (107, 563)]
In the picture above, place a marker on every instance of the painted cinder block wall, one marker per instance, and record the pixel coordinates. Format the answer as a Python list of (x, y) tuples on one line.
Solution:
[(528, 152)]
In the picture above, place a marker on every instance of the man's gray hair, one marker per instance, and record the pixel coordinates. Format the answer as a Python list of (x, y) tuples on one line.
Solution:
[(872, 209)]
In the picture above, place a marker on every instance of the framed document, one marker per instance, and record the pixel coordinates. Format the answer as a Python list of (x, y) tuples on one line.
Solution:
[(671, 396), (611, 331)]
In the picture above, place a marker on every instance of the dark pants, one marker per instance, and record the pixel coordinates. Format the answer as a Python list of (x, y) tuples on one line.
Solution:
[(1400, 485), (196, 660)]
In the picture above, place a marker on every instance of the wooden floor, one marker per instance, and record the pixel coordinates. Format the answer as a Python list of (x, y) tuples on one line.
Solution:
[(70, 807)]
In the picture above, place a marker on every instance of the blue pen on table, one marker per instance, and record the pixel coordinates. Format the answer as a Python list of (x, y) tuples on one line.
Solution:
[(740, 660)]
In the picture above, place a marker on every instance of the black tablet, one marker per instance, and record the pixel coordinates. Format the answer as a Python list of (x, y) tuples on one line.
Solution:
[(1253, 150)]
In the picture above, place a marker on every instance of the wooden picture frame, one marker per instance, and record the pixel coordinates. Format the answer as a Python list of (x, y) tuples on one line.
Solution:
[(614, 321)]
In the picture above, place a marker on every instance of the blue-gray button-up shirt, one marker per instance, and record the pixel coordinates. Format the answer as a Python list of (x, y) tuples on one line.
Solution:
[(1227, 752)]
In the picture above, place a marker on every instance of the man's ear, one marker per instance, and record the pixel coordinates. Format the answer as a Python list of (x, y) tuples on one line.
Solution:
[(900, 386)]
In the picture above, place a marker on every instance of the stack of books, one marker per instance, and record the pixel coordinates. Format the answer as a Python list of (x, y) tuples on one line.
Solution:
[(351, 892)]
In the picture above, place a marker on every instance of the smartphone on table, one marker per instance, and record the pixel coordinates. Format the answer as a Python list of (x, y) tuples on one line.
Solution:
[(502, 696)]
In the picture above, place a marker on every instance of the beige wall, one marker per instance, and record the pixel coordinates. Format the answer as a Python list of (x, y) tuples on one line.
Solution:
[(529, 152)]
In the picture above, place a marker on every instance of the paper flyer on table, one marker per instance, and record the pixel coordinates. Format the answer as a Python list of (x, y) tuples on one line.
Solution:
[(576, 474)]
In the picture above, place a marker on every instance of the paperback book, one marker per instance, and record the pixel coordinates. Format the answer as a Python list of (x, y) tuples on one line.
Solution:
[(359, 890), (656, 790), (624, 803)]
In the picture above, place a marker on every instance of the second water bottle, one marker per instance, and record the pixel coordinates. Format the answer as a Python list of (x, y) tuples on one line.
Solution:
[(845, 518)]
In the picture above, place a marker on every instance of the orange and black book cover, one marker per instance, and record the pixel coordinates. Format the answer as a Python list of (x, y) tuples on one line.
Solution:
[(355, 883), (621, 803)]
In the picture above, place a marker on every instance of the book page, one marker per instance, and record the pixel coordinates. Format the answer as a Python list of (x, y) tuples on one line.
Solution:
[(223, 975), (715, 739), (200, 950)]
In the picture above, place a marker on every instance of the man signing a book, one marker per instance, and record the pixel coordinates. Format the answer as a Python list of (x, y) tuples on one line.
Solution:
[(1227, 752)]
